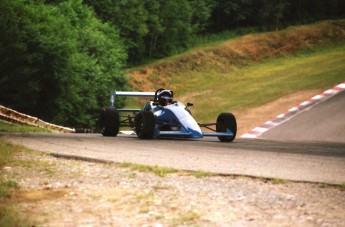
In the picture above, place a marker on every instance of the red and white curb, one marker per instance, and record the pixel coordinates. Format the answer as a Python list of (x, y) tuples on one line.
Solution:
[(258, 131)]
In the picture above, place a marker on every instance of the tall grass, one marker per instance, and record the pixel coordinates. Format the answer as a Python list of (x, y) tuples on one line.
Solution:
[(215, 38)]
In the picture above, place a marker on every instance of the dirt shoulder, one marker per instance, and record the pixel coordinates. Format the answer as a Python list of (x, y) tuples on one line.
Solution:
[(60, 192)]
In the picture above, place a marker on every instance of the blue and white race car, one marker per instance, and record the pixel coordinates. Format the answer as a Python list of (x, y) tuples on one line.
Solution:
[(163, 117)]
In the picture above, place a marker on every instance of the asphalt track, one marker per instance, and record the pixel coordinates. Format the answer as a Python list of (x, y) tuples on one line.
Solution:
[(298, 158), (323, 122), (299, 161)]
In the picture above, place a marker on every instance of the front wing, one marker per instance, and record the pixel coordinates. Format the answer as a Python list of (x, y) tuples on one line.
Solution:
[(190, 134)]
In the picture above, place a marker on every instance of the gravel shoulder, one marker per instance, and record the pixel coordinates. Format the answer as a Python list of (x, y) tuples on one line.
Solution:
[(61, 192)]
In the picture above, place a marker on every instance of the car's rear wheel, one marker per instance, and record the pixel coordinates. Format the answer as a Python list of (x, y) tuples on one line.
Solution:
[(110, 121), (226, 121), (145, 125)]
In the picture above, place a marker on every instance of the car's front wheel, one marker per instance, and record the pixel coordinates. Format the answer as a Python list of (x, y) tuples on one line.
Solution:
[(226, 121), (145, 124), (110, 121)]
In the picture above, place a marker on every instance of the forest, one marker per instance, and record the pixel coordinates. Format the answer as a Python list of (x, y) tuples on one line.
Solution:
[(59, 59)]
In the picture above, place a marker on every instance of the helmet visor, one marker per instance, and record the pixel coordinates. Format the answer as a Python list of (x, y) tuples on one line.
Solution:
[(168, 98)]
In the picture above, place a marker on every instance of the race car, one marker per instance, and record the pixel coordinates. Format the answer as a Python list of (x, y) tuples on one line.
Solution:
[(163, 117)]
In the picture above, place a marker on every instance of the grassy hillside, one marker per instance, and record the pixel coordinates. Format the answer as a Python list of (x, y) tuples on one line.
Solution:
[(261, 83), (250, 71)]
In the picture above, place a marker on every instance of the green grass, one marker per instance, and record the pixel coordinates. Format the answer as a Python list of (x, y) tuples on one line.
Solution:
[(257, 84), (5, 186), (19, 128), (9, 216), (342, 187), (7, 158), (279, 181), (245, 72), (201, 174), (217, 38), (163, 171), (7, 152), (157, 170)]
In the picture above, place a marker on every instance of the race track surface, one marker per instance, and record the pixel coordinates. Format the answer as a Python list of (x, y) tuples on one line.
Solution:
[(323, 122), (299, 161), (308, 147)]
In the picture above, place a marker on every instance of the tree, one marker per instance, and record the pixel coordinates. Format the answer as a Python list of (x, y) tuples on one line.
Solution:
[(58, 61), (175, 16), (272, 12), (154, 28), (230, 14), (201, 13), (130, 17)]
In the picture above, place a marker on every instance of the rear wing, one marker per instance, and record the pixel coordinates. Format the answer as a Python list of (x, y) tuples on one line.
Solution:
[(114, 94)]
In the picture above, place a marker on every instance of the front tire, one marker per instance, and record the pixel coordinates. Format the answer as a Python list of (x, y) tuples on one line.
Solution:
[(110, 122), (226, 121), (145, 125)]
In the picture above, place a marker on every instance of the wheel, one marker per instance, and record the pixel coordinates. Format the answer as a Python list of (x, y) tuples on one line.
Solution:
[(110, 122), (145, 124), (226, 121)]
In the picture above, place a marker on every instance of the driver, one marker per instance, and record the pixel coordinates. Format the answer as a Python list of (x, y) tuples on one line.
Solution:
[(165, 97)]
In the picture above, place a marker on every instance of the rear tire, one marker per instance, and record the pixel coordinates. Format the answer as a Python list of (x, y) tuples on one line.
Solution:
[(110, 122), (145, 124), (226, 121)]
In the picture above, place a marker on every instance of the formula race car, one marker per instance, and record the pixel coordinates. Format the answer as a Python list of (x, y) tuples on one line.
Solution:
[(163, 117)]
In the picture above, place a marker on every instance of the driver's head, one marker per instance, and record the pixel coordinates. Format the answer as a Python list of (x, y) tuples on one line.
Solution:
[(165, 97)]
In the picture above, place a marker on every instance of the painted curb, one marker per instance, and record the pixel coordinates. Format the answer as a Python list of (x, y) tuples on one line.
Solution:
[(258, 131)]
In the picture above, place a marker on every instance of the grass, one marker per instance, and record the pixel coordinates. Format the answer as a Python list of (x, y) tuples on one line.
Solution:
[(202, 174), (162, 171), (342, 187), (249, 71), (7, 158), (257, 84), (279, 181), (19, 128), (5, 186), (9, 216), (157, 170), (7, 153), (216, 38)]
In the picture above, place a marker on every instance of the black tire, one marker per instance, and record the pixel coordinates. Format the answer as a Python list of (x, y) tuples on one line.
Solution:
[(226, 121), (110, 122), (145, 124)]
